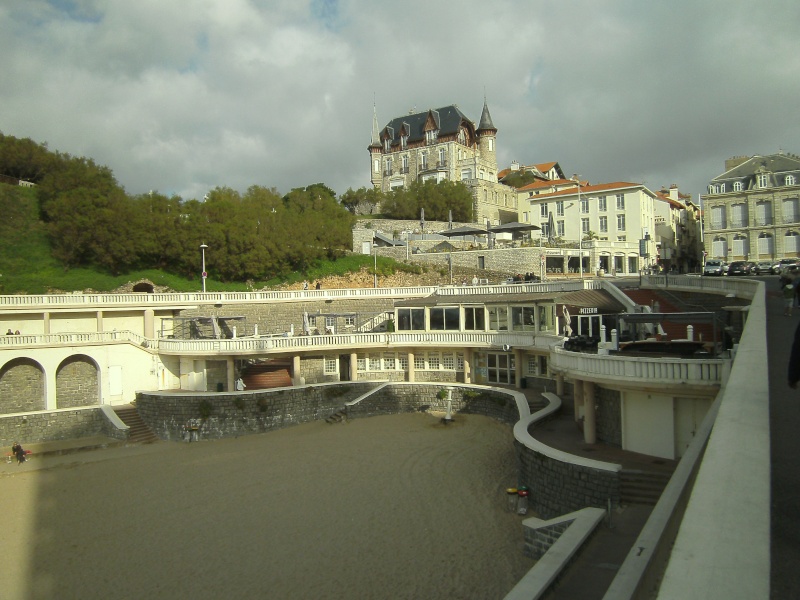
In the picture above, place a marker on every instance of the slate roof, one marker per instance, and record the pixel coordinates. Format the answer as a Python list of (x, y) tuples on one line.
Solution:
[(774, 163), (448, 118)]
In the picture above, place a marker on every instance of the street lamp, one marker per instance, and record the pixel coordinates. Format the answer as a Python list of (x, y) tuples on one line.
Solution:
[(375, 268), (577, 180), (205, 274)]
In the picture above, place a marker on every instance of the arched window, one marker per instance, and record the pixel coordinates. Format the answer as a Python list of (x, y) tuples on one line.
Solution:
[(766, 244), (790, 242), (790, 180), (719, 247), (737, 186)]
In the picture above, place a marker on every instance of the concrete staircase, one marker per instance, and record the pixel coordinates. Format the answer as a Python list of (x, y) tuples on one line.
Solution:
[(642, 487), (139, 433)]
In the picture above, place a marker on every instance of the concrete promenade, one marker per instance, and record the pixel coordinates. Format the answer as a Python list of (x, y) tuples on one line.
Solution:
[(785, 450)]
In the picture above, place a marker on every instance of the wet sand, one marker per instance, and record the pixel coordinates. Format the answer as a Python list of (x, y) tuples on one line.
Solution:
[(386, 507)]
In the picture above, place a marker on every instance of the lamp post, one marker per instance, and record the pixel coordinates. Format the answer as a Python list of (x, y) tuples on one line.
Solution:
[(205, 274), (375, 267), (577, 180)]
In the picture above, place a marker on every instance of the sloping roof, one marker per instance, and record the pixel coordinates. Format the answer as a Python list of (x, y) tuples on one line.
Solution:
[(582, 298), (775, 163), (591, 189), (545, 183), (387, 240), (448, 118)]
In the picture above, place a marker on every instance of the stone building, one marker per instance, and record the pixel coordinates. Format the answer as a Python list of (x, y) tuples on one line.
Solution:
[(443, 144), (752, 210)]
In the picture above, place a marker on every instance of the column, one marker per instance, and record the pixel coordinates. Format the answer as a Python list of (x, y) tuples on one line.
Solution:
[(99, 318), (411, 366), (187, 373), (467, 365), (46, 324), (353, 366), (589, 420), (230, 373), (149, 323), (296, 370), (577, 398), (559, 385), (50, 401), (517, 367)]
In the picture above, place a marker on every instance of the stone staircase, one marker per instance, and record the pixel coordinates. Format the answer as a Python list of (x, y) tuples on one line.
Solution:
[(337, 417), (642, 487), (139, 433)]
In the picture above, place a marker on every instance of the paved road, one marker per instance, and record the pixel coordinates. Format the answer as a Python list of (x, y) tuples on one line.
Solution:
[(785, 441)]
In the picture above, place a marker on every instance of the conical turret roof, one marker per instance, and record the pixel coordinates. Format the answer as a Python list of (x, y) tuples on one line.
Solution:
[(486, 119)]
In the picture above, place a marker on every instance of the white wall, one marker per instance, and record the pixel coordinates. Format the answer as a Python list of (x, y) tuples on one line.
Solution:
[(648, 424)]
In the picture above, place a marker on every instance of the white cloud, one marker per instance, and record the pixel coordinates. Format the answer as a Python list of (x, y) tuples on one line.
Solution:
[(181, 97)]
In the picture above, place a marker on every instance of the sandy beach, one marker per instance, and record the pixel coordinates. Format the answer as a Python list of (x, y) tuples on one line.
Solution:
[(386, 507)]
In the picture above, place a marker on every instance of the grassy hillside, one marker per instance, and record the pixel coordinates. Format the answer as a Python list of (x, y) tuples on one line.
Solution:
[(27, 267)]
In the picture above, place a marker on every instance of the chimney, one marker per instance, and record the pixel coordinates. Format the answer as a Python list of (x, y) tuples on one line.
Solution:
[(673, 192)]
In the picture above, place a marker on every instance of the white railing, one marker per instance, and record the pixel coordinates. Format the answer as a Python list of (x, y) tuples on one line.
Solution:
[(45, 301), (71, 339), (344, 341), (599, 367)]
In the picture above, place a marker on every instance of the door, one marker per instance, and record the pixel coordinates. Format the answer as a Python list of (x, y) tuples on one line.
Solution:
[(344, 367)]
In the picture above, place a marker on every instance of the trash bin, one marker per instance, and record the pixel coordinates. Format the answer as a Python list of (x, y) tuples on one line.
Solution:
[(522, 502), (523, 383), (511, 499)]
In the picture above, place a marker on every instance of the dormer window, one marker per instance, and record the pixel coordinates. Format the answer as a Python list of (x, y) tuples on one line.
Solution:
[(403, 142), (387, 145), (462, 137), (763, 180), (737, 186), (790, 180), (721, 188), (430, 136)]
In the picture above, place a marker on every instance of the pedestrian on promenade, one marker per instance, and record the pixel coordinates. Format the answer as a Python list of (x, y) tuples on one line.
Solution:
[(788, 298)]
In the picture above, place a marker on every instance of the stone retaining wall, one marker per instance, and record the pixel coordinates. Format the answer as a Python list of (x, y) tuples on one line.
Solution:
[(557, 487), (231, 414), (55, 425)]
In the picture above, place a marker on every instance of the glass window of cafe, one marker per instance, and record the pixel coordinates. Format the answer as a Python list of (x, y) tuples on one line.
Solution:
[(474, 318), (523, 318), (444, 319), (411, 319)]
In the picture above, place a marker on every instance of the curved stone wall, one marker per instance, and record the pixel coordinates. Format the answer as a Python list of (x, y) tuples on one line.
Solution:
[(76, 383), (559, 482)]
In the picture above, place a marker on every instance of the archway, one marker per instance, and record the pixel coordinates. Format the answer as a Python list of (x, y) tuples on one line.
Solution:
[(143, 287), (22, 386), (77, 382)]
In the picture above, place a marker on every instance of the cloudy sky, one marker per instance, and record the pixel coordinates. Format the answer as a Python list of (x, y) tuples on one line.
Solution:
[(184, 96)]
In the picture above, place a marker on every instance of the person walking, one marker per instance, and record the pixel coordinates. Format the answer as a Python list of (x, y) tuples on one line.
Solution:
[(788, 297)]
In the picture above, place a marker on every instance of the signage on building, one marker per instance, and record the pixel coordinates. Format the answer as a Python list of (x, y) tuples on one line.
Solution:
[(588, 311)]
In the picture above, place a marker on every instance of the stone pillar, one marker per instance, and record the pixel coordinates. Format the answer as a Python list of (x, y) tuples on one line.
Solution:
[(589, 420), (467, 365), (559, 384), (577, 398), (690, 333), (99, 318), (603, 334), (230, 372), (149, 323), (296, 370), (50, 400), (46, 325), (353, 366), (614, 339), (411, 377), (187, 373), (517, 367)]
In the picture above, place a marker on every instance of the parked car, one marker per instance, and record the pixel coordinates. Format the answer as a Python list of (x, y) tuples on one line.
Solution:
[(713, 267), (739, 267), (763, 267), (785, 263)]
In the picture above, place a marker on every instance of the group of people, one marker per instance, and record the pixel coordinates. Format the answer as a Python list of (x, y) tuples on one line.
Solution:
[(19, 453), (318, 286), (9, 332)]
